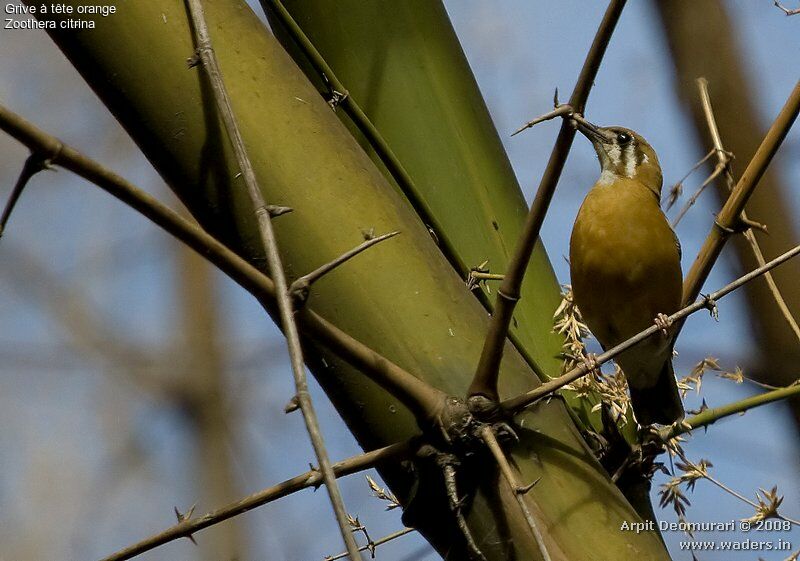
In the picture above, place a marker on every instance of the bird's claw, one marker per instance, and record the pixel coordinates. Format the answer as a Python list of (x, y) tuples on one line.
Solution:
[(663, 322), (589, 361)]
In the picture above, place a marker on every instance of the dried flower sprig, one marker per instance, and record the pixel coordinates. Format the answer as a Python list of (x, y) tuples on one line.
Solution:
[(694, 380), (611, 389), (383, 494)]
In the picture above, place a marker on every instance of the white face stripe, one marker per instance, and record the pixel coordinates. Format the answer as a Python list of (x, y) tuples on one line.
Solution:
[(630, 160), (614, 154)]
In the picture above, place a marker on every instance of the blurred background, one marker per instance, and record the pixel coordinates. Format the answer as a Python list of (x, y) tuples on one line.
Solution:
[(134, 378)]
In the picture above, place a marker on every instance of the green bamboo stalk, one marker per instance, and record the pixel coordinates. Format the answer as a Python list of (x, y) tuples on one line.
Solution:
[(403, 299)]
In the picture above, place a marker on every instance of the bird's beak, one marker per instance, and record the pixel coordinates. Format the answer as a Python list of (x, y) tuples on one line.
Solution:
[(590, 131)]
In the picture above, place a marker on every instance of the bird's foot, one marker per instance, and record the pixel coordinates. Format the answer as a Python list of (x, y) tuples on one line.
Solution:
[(663, 322), (589, 361)]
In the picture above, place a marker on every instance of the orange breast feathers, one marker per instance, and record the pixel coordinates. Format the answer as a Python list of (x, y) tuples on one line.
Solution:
[(624, 261)]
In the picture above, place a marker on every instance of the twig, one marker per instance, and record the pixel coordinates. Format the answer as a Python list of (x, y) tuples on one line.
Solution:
[(728, 218), (477, 275), (312, 478), (718, 169), (723, 163), (712, 415), (487, 434), (703, 473), (372, 546), (787, 11), (343, 99), (560, 110), (484, 383), (300, 287), (704, 303), (423, 401), (33, 165), (210, 64), (675, 190)]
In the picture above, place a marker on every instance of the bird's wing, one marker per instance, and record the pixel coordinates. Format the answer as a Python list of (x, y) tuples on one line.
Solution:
[(678, 244)]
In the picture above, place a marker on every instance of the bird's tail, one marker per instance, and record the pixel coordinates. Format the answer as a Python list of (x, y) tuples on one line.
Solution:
[(660, 403)]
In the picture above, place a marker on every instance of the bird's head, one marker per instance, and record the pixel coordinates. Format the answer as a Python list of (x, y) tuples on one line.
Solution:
[(623, 153)]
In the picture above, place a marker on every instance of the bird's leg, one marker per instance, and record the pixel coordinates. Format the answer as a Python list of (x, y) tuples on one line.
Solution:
[(663, 322)]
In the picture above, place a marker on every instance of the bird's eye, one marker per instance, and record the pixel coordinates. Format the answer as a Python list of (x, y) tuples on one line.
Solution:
[(623, 138)]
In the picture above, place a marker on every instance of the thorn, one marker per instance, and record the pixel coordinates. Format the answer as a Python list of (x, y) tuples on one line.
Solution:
[(559, 111), (292, 405), (275, 211), (711, 305), (748, 223), (193, 60), (185, 517), (432, 232), (33, 165), (523, 490), (555, 98), (300, 288)]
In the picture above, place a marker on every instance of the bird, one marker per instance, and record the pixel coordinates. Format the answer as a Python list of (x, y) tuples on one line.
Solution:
[(625, 268)]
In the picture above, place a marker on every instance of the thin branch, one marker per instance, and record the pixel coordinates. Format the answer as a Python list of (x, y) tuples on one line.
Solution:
[(312, 478), (704, 303), (773, 286), (675, 190), (300, 287), (484, 383), (341, 97), (711, 416), (487, 434), (560, 110), (785, 10), (723, 163), (703, 473), (728, 219), (373, 545), (413, 392), (210, 64), (718, 169)]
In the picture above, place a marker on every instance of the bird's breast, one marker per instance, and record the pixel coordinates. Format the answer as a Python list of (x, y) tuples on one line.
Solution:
[(624, 261)]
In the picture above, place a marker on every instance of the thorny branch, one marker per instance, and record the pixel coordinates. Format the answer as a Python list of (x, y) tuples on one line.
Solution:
[(312, 478), (484, 383), (785, 10), (729, 218), (766, 507), (704, 303), (712, 415), (723, 164), (373, 545), (417, 395), (519, 491), (208, 57)]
